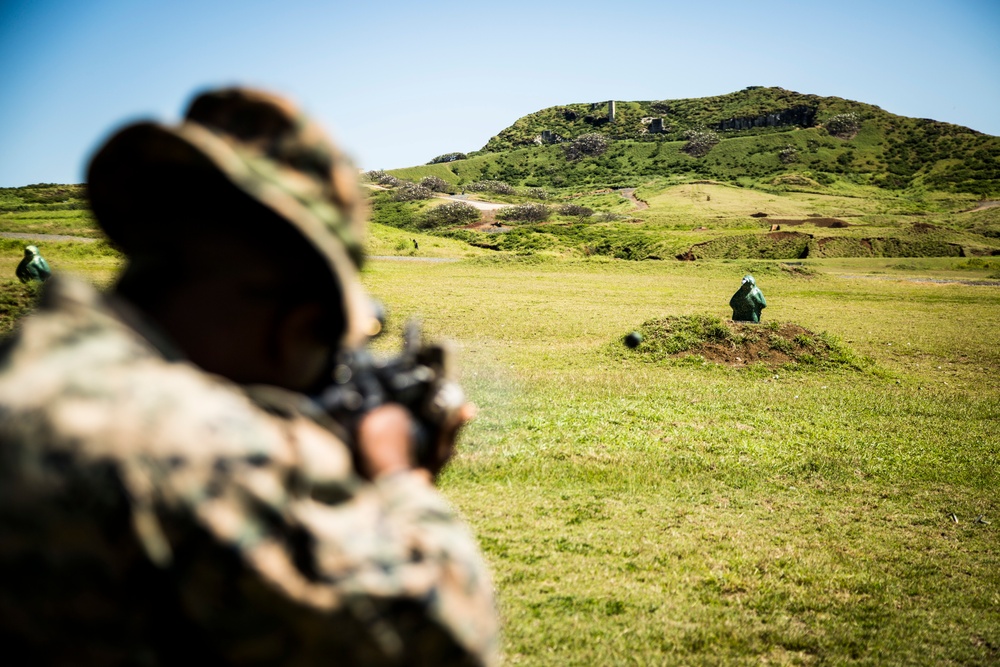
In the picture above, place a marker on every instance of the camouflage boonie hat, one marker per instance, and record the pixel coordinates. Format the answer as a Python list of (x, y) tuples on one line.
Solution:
[(266, 147)]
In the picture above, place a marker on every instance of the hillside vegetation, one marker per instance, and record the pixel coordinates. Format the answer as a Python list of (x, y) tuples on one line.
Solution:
[(831, 136), (726, 176)]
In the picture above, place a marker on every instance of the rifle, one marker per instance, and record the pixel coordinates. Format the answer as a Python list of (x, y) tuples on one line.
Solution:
[(420, 378)]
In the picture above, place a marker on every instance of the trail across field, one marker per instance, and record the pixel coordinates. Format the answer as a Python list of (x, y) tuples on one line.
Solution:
[(45, 237), (481, 205), (629, 193), (983, 205)]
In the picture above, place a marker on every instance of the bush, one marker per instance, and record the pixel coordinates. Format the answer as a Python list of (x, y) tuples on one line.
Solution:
[(788, 154), (411, 192), (382, 178), (592, 144), (497, 187), (435, 184), (448, 157), (536, 193), (392, 213), (576, 210), (843, 125), (449, 215), (525, 213), (699, 142)]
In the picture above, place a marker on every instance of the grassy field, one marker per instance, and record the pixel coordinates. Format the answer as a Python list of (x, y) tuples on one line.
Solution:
[(849, 221), (651, 513), (643, 511)]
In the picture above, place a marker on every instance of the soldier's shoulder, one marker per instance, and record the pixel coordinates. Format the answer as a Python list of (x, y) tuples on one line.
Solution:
[(91, 377)]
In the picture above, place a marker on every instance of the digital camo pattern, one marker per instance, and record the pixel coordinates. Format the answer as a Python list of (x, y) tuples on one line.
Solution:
[(152, 514)]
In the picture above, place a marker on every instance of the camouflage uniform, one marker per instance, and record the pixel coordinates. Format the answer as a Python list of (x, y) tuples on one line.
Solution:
[(151, 513)]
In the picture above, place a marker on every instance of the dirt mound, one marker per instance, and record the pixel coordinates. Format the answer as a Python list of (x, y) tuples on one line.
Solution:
[(834, 223), (740, 344), (774, 245)]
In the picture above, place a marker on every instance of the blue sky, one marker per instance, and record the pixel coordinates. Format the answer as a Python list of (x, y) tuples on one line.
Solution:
[(400, 82)]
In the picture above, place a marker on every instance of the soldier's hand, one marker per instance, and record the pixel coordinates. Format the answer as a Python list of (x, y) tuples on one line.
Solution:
[(384, 436), (385, 440)]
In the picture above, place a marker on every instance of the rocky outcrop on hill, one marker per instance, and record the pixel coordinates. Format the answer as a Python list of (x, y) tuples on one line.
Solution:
[(801, 116)]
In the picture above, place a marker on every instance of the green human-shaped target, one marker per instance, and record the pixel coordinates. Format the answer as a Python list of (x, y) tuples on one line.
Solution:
[(748, 301), (33, 266)]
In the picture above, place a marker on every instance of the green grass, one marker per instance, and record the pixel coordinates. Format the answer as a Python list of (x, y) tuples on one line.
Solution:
[(649, 514), (16, 300), (682, 513), (68, 223), (690, 513), (97, 260)]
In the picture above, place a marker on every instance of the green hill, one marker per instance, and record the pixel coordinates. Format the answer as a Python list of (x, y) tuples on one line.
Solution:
[(754, 127), (716, 172)]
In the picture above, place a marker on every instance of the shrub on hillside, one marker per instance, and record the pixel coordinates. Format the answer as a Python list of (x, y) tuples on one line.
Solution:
[(843, 125), (525, 213), (435, 184), (591, 144), (788, 154), (448, 157), (449, 215), (496, 187), (380, 177), (536, 193), (407, 191), (699, 142), (576, 210)]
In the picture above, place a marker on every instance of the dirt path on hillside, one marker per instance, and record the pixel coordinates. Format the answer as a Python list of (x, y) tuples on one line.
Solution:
[(45, 237), (983, 205), (629, 193), (481, 205)]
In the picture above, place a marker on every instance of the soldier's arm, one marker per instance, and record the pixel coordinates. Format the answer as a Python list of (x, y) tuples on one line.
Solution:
[(383, 572)]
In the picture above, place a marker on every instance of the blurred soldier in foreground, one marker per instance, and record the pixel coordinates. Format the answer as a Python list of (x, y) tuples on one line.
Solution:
[(748, 301), (33, 266), (163, 499)]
